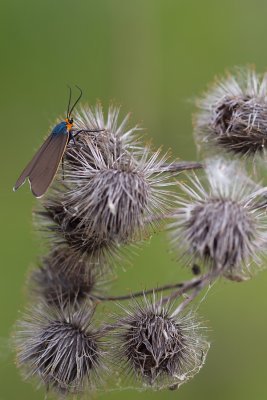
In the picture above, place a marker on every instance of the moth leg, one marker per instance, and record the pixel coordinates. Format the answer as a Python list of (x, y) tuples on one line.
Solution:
[(73, 135), (63, 170)]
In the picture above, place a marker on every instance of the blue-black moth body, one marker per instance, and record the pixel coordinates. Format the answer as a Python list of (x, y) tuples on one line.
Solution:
[(43, 167)]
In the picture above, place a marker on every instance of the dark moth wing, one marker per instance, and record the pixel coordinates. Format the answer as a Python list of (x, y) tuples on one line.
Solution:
[(27, 170), (46, 168), (44, 165)]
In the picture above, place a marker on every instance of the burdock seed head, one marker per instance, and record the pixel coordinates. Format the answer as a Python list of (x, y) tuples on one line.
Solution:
[(157, 349), (222, 223), (232, 115), (112, 186), (59, 348), (64, 279), (64, 228)]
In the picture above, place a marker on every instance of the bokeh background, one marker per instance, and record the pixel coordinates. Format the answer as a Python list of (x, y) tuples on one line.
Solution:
[(152, 57)]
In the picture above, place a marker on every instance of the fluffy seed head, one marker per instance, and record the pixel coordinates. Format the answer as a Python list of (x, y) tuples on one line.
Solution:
[(158, 349), (112, 185), (223, 226), (64, 228), (232, 115), (62, 279), (59, 348)]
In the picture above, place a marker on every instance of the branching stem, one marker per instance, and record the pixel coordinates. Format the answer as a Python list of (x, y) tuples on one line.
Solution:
[(147, 292), (183, 287)]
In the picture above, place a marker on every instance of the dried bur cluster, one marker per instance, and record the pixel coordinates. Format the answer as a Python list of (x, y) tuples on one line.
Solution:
[(115, 191)]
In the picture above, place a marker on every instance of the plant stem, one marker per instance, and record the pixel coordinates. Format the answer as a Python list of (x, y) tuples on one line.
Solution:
[(184, 286), (181, 166)]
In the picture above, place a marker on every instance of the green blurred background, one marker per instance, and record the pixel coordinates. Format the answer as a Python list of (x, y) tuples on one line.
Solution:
[(153, 57)]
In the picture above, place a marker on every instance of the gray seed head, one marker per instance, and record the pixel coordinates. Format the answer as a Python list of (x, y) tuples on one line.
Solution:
[(66, 229), (112, 186), (220, 230), (157, 349), (232, 115), (62, 279), (59, 348), (223, 226), (111, 205)]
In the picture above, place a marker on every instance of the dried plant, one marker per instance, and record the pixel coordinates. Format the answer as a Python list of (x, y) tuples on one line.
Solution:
[(62, 279), (156, 348), (114, 191), (233, 114), (58, 346), (223, 226)]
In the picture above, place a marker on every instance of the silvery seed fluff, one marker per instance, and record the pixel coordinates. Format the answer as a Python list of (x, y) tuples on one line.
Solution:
[(62, 279), (232, 115), (158, 350), (63, 229), (112, 185), (222, 226), (59, 348)]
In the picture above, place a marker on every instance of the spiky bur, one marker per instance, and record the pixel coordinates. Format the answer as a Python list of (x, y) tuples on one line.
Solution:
[(112, 186), (64, 229), (224, 225), (60, 348), (232, 115), (62, 279), (156, 349)]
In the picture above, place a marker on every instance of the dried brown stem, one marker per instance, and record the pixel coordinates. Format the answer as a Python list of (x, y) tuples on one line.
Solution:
[(181, 166), (147, 292)]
